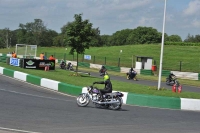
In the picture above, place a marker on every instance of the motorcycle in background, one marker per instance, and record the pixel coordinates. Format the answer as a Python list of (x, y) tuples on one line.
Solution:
[(132, 75), (70, 66), (62, 65), (110, 100), (103, 71), (173, 81)]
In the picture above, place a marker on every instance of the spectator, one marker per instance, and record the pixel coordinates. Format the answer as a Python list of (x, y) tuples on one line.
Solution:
[(51, 57), (14, 55), (42, 56)]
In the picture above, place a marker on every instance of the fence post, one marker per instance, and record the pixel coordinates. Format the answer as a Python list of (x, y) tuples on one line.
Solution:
[(105, 60), (73, 57), (64, 56), (119, 62), (83, 58), (94, 59), (180, 65)]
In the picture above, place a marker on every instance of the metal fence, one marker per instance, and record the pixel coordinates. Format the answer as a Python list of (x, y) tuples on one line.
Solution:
[(193, 66)]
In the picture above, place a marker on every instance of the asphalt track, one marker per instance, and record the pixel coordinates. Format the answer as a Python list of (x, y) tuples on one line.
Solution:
[(146, 82), (25, 108)]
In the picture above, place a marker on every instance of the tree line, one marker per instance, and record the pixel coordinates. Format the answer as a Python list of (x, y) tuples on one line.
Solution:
[(36, 33)]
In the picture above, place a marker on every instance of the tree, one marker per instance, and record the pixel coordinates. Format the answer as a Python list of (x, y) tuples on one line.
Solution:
[(174, 38), (5, 35), (120, 37), (31, 32), (144, 35), (79, 35)]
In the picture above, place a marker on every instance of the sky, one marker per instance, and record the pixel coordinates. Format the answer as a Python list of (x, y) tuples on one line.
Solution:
[(182, 16)]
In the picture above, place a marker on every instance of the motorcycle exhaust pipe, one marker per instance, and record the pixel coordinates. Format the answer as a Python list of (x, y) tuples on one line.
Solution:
[(110, 102)]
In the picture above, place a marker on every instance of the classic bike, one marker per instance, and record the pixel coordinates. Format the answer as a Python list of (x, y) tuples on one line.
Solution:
[(134, 77), (103, 71), (69, 67), (62, 65), (174, 81), (110, 100)]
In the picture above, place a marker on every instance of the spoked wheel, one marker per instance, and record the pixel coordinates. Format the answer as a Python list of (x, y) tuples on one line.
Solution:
[(116, 106), (82, 100)]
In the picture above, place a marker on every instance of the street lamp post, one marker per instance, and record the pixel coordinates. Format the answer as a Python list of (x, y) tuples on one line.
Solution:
[(162, 46)]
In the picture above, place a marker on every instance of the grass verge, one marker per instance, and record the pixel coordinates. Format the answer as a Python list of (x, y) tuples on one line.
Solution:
[(86, 80)]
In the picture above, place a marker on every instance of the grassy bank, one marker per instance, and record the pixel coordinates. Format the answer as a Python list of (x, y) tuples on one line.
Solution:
[(173, 56), (85, 80)]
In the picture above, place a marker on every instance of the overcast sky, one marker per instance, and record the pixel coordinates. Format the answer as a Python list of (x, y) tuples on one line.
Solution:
[(182, 16)]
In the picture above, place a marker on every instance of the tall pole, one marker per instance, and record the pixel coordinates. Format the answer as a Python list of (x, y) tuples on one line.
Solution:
[(162, 45)]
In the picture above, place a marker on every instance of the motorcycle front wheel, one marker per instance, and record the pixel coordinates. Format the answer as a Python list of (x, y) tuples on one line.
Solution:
[(116, 106), (82, 100)]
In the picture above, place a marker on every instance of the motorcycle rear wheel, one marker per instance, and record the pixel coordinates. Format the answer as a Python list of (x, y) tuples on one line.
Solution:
[(116, 106), (82, 100)]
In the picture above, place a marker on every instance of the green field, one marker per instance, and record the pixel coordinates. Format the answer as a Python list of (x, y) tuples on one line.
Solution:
[(188, 56), (86, 80)]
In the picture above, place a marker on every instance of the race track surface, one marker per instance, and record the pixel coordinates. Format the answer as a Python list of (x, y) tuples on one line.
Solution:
[(146, 82), (28, 108)]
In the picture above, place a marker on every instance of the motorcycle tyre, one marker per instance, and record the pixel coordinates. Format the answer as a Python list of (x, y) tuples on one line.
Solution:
[(113, 107), (85, 101)]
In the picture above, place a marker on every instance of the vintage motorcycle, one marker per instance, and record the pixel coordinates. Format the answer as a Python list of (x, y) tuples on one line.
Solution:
[(174, 81), (134, 76), (110, 100), (62, 65), (103, 71), (69, 66)]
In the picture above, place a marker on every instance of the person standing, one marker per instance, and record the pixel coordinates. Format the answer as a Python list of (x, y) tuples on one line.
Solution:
[(51, 57), (42, 56)]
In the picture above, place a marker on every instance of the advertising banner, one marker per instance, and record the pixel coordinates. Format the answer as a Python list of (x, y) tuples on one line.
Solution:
[(14, 61), (38, 64)]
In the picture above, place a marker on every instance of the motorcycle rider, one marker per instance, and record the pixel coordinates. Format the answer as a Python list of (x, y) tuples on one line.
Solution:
[(108, 86), (132, 73), (69, 65), (102, 70), (62, 64), (171, 75)]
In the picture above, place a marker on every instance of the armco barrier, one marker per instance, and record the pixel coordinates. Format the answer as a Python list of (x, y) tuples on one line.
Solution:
[(130, 98), (8, 72), (69, 89), (153, 101), (84, 64), (199, 76), (33, 79), (20, 75), (165, 73), (146, 72)]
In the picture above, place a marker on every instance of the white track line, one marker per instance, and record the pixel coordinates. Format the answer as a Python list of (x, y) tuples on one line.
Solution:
[(16, 130)]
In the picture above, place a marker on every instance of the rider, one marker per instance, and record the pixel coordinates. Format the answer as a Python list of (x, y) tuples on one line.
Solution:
[(68, 65), (102, 70), (171, 75), (108, 85), (62, 63), (132, 73)]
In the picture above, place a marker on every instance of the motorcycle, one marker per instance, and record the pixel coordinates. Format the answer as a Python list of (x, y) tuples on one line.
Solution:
[(110, 100), (62, 65), (102, 71), (128, 76), (70, 67), (174, 81)]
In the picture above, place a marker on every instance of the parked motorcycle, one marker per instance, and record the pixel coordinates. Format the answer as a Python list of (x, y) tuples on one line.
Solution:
[(110, 100)]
